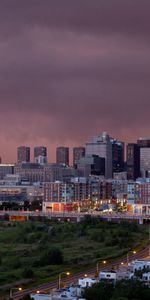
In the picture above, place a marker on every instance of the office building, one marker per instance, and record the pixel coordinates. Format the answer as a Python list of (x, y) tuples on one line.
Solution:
[(62, 155), (101, 145), (6, 169), (143, 142), (133, 161), (31, 172), (40, 155), (23, 154), (117, 155), (91, 165), (78, 152), (145, 162)]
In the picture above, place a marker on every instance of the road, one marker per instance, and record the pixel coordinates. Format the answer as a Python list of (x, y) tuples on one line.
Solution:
[(47, 287), (76, 215)]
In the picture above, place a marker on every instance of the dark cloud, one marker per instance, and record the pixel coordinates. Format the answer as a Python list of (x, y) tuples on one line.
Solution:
[(70, 69)]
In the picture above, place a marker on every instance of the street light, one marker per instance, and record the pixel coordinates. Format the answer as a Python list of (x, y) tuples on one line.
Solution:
[(14, 289), (133, 252), (59, 278), (97, 265)]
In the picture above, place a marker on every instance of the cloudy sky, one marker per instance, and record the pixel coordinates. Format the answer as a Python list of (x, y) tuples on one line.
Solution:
[(70, 69)]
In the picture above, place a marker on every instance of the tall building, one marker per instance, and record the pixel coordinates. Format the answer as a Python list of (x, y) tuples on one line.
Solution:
[(23, 154), (101, 145), (40, 154), (91, 165), (78, 152), (133, 161), (6, 169), (117, 156), (31, 172), (143, 142), (144, 145), (62, 155), (145, 162)]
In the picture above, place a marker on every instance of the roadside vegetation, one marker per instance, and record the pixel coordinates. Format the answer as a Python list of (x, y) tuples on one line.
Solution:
[(123, 290), (35, 252)]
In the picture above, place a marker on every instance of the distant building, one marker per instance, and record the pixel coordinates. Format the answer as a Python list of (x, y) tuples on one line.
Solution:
[(133, 161), (101, 145), (117, 156), (78, 152), (120, 175), (145, 162), (143, 142), (144, 145), (31, 172), (40, 155), (23, 154), (58, 192), (6, 169), (91, 165), (139, 196), (62, 155)]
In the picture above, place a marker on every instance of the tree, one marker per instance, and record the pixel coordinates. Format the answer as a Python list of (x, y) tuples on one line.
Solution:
[(28, 273)]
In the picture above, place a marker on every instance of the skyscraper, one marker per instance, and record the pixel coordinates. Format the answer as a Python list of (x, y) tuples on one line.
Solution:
[(78, 152), (144, 145), (133, 161), (101, 145), (143, 142), (117, 155), (62, 155), (23, 154), (40, 154)]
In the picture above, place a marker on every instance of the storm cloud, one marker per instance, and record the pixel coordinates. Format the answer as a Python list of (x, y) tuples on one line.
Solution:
[(71, 69)]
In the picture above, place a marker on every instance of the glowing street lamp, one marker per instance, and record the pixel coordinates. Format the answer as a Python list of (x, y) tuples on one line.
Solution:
[(59, 278), (97, 265), (14, 289), (133, 252)]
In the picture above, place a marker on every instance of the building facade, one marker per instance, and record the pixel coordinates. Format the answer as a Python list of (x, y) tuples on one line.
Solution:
[(133, 161), (40, 154), (101, 145), (62, 155), (78, 152), (23, 154)]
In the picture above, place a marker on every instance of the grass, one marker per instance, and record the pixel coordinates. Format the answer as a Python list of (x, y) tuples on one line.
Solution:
[(23, 246)]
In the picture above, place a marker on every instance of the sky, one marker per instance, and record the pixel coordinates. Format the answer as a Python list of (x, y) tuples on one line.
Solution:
[(71, 69)]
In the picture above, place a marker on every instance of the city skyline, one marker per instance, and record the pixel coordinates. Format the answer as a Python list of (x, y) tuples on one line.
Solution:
[(72, 70)]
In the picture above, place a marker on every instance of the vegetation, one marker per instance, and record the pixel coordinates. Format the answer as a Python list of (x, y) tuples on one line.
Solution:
[(40, 250), (124, 290)]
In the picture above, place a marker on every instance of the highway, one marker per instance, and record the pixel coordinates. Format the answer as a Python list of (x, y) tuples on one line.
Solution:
[(47, 287), (76, 215)]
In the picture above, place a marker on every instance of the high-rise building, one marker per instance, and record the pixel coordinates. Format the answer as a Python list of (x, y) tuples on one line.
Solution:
[(91, 165), (62, 155), (23, 154), (40, 154), (78, 152), (143, 142), (145, 162), (144, 145), (133, 161), (117, 155), (6, 169), (101, 145)]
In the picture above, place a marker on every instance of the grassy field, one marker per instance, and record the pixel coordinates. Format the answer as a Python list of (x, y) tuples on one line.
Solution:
[(40, 250)]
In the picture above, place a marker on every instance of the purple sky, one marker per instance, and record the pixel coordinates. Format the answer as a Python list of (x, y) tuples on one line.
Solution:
[(70, 69)]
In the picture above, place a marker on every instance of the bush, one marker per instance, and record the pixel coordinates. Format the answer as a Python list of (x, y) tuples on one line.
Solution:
[(28, 273), (52, 257)]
